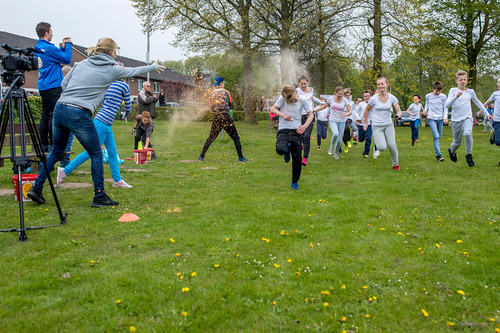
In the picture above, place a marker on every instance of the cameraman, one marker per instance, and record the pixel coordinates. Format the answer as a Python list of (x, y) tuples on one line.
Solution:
[(51, 76)]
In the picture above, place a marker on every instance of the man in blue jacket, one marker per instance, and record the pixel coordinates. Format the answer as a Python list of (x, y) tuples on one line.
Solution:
[(50, 77)]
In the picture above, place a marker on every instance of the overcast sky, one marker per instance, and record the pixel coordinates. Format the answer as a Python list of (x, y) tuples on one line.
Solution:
[(85, 21)]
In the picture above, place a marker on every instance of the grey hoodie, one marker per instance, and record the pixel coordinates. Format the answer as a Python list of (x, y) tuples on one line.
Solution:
[(87, 83)]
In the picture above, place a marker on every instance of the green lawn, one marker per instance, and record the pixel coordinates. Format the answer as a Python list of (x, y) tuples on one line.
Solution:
[(359, 247)]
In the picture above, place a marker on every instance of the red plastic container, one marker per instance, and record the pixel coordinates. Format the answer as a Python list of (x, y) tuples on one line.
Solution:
[(150, 154), (27, 181), (140, 156)]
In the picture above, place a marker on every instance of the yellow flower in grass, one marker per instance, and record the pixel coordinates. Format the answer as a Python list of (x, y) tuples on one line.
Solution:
[(492, 320), (228, 239), (193, 274), (118, 301), (497, 330), (325, 304), (367, 316), (450, 323), (276, 265), (461, 292), (185, 289), (459, 241), (132, 329), (343, 287), (274, 303), (425, 313), (325, 292), (172, 240), (344, 319), (438, 246), (216, 265), (177, 254), (289, 260), (365, 287), (184, 314)]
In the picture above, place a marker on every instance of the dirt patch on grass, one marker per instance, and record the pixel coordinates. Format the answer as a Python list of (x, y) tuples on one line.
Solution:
[(137, 170), (5, 192), (209, 168), (188, 161), (75, 185)]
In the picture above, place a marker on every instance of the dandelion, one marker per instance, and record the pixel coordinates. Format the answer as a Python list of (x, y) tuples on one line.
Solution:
[(382, 229), (297, 273), (374, 298), (92, 261), (311, 245), (438, 246), (450, 323), (172, 240), (325, 304), (365, 287), (492, 320), (370, 299), (177, 254), (343, 287), (118, 301), (425, 313), (459, 241), (265, 239), (325, 292), (276, 265), (132, 329), (193, 274), (274, 303), (227, 239), (217, 265), (367, 316), (282, 233), (461, 292), (184, 314), (344, 319), (178, 273), (289, 260), (185, 289)]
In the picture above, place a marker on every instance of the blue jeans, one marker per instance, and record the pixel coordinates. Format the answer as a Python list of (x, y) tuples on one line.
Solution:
[(437, 130), (321, 131), (415, 126), (67, 119), (106, 136), (496, 127), (365, 135), (337, 133), (69, 146)]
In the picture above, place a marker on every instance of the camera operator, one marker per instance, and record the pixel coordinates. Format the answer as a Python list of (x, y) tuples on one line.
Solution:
[(51, 76)]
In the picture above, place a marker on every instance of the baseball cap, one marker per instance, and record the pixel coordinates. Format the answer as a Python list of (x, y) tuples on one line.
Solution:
[(218, 80)]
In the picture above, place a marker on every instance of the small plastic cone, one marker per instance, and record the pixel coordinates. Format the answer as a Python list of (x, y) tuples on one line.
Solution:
[(128, 217)]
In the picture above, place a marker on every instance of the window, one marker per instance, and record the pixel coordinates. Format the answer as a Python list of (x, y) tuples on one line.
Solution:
[(140, 84), (157, 87)]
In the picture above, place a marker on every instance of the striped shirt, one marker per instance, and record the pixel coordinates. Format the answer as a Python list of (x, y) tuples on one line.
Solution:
[(117, 92)]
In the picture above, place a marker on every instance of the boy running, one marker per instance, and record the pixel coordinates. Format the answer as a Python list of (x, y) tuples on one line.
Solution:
[(437, 114)]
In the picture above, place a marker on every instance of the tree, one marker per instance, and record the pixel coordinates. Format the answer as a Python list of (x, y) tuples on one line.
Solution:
[(473, 26)]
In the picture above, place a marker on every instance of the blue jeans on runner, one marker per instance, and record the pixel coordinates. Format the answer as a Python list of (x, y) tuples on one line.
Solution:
[(106, 136), (496, 127), (337, 133), (365, 136), (437, 130), (415, 126), (69, 146), (67, 119), (321, 131)]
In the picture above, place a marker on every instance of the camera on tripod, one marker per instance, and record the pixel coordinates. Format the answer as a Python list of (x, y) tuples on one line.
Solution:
[(16, 65)]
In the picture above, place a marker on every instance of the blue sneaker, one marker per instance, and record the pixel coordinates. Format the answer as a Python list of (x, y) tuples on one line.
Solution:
[(242, 159), (286, 157), (295, 186), (200, 159)]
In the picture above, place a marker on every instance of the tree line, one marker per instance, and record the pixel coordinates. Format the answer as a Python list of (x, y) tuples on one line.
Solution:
[(258, 45)]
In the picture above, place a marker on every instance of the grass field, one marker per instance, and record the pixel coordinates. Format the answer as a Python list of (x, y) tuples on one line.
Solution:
[(224, 246)]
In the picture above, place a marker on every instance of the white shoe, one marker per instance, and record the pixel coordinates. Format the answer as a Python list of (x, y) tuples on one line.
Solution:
[(335, 156), (376, 153), (61, 176), (330, 150), (121, 183)]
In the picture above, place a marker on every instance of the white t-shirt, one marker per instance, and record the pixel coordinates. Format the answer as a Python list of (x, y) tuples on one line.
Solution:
[(323, 114), (359, 113), (295, 110), (495, 98), (415, 108), (435, 105), (381, 113), (353, 108), (460, 106), (337, 109), (309, 96)]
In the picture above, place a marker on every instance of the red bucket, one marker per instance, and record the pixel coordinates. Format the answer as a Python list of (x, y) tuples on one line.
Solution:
[(27, 181), (140, 156), (150, 154)]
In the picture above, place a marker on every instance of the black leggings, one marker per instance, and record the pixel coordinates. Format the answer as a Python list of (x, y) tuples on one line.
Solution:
[(49, 101), (307, 136), (140, 134), (223, 121), (289, 141)]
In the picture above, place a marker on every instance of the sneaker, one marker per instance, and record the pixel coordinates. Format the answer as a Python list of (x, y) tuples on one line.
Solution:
[(366, 156), (470, 162), (319, 147), (349, 144), (286, 157), (395, 167), (242, 159), (36, 195), (104, 201), (453, 157), (346, 150), (335, 156), (330, 150), (295, 186), (200, 159), (121, 183), (304, 161), (61, 176), (354, 142), (376, 153), (439, 158), (492, 138)]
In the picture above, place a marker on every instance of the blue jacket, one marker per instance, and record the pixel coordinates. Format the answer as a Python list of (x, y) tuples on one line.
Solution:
[(49, 64)]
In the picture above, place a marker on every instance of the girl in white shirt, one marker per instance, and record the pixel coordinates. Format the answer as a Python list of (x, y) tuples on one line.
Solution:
[(414, 112), (340, 109), (380, 106), (459, 99), (289, 107), (321, 125), (308, 93)]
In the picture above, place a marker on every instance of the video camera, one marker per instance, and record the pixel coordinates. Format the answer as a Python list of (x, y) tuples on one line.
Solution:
[(16, 65)]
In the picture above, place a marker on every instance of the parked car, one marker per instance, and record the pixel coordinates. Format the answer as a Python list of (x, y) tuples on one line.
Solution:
[(403, 121), (172, 105)]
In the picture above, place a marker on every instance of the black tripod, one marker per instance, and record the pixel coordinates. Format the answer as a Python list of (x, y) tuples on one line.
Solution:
[(17, 96)]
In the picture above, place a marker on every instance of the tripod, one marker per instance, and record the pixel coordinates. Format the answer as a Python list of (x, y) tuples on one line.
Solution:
[(17, 96)]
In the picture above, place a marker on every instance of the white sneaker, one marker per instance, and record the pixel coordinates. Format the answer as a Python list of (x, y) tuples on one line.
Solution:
[(376, 153), (335, 156), (61, 176), (330, 150), (121, 183)]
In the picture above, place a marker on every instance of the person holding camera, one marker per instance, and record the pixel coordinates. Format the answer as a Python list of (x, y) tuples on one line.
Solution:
[(50, 77), (83, 90)]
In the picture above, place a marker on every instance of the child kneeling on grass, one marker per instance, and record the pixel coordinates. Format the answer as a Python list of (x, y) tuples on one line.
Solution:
[(143, 129), (289, 139)]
